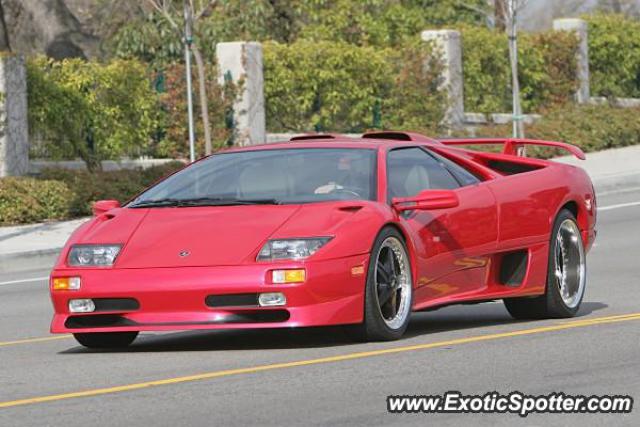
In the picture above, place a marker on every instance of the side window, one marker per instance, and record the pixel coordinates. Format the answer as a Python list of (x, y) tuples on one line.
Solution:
[(412, 170), (463, 176)]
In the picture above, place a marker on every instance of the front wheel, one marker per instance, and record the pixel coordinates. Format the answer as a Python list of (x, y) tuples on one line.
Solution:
[(388, 291), (106, 339), (566, 277)]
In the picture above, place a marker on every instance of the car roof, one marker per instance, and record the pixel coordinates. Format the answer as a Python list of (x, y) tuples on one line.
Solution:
[(371, 140)]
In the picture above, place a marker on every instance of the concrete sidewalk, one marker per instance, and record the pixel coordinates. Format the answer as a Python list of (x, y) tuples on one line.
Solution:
[(612, 169), (22, 247)]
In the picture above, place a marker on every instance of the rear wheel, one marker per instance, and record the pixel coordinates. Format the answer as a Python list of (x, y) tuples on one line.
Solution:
[(566, 277), (106, 339), (388, 292)]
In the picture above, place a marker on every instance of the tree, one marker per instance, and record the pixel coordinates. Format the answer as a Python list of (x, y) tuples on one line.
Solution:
[(499, 9), (626, 7)]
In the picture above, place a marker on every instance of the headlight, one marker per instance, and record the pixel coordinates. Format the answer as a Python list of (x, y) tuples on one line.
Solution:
[(92, 255), (291, 248)]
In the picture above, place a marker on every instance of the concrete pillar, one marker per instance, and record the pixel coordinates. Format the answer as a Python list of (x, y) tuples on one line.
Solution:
[(449, 45), (243, 62), (14, 135), (579, 26)]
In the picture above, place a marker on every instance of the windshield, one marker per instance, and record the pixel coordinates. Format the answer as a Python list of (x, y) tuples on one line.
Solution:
[(301, 175)]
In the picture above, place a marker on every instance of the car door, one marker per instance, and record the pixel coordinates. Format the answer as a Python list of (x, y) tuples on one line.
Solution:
[(453, 245)]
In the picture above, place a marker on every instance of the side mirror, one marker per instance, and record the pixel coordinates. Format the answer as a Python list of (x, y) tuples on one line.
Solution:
[(427, 200), (102, 206)]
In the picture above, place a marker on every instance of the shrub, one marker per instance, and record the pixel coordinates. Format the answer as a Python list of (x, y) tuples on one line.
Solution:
[(90, 110), (415, 100), (173, 143), (119, 185), (341, 87), (546, 64), (614, 55), (26, 200), (591, 127), (323, 85)]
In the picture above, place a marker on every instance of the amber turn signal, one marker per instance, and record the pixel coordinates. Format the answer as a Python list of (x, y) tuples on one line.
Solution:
[(288, 276), (65, 283)]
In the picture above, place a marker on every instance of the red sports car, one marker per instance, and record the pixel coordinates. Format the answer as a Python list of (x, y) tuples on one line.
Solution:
[(330, 230)]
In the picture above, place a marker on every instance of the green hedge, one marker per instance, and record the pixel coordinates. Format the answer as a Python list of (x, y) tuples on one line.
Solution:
[(547, 69), (591, 127), (97, 111), (90, 110), (321, 85), (58, 194), (27, 200), (614, 55), (119, 185), (346, 88)]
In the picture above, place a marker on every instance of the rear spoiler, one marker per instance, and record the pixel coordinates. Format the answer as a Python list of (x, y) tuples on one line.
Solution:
[(510, 145)]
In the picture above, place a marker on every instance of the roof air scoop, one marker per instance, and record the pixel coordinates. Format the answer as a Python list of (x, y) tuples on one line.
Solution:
[(397, 136), (310, 136)]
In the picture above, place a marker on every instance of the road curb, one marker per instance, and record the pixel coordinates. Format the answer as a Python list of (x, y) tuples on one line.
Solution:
[(24, 261)]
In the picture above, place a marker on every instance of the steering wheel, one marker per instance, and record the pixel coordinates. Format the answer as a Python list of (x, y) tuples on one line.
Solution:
[(350, 191)]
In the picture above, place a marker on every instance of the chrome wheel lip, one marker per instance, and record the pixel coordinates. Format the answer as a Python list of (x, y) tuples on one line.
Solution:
[(570, 264), (403, 282)]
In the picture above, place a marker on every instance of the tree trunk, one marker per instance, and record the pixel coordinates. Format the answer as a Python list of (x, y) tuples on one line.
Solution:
[(500, 9), (4, 33), (204, 102), (616, 6)]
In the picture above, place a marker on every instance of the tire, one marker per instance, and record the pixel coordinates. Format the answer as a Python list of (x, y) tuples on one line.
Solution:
[(566, 275), (106, 339), (389, 320)]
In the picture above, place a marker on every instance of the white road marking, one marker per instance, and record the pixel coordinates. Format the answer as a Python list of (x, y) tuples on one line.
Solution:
[(35, 279), (621, 205)]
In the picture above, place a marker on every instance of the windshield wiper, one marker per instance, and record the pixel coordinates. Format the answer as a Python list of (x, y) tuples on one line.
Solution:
[(154, 203), (202, 201)]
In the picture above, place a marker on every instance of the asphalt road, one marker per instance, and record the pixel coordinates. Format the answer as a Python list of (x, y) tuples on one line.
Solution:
[(317, 376)]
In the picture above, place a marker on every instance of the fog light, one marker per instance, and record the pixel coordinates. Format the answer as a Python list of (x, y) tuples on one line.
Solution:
[(81, 306), (272, 299), (66, 283), (288, 276)]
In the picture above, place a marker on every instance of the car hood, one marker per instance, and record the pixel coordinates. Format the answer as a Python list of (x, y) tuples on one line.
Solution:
[(226, 235), (187, 237)]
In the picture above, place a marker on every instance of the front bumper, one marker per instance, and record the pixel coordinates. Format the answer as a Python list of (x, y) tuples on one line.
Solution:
[(175, 298)]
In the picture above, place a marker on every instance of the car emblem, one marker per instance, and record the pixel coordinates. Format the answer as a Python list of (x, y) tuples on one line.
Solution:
[(184, 254)]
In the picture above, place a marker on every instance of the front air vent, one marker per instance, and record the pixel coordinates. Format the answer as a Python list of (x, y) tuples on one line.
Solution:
[(116, 304), (232, 300), (97, 321)]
